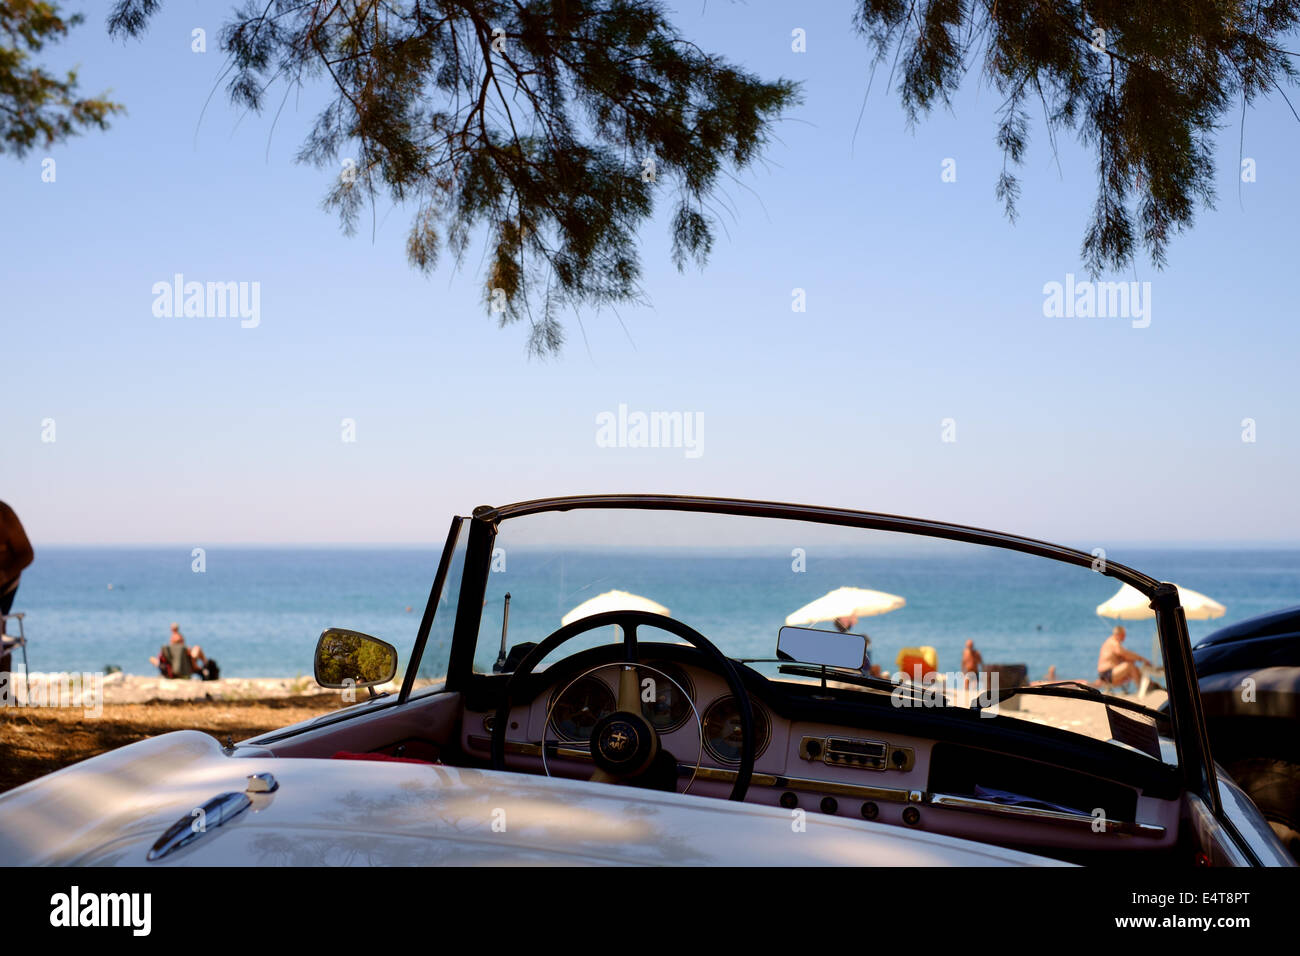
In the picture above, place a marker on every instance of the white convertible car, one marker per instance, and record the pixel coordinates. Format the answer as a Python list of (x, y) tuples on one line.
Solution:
[(727, 730)]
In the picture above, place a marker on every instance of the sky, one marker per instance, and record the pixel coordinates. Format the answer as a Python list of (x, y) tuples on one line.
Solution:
[(923, 377)]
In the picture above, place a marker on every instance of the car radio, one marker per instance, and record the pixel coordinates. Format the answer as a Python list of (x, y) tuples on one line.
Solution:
[(856, 753)]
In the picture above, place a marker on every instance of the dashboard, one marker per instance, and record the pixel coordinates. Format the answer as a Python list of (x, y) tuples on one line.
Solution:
[(830, 751)]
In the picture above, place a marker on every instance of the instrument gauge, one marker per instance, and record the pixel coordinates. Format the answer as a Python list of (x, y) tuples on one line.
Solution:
[(671, 706), (722, 729), (575, 712)]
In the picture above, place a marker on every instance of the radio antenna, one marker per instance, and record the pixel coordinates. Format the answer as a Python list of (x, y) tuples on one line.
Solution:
[(505, 626)]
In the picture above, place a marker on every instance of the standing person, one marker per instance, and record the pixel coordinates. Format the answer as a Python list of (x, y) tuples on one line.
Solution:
[(971, 662), (15, 555), (1116, 664)]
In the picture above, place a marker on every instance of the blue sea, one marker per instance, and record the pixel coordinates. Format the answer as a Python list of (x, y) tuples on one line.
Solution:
[(259, 611)]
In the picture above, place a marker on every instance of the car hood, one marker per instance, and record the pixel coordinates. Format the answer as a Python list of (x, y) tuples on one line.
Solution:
[(1269, 640), (1286, 621), (111, 809)]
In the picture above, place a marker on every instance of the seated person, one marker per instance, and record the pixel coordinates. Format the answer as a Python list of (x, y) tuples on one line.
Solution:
[(176, 660), (1116, 665)]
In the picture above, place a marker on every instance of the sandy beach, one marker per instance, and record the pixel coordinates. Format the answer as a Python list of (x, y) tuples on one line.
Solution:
[(79, 689)]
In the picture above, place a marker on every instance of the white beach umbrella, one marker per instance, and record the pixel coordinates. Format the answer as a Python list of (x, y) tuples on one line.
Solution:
[(613, 601), (845, 602), (1130, 604)]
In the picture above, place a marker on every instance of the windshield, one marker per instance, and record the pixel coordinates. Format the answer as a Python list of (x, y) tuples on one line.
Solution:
[(965, 619)]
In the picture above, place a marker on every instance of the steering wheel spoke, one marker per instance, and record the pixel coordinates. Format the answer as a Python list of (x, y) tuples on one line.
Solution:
[(629, 687)]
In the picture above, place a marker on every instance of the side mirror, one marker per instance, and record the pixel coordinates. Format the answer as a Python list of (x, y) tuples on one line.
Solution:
[(352, 659), (806, 645)]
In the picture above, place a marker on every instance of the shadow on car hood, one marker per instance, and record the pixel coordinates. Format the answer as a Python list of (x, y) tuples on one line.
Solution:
[(111, 809)]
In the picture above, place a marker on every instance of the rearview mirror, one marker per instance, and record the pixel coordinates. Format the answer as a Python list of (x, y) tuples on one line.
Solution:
[(806, 645), (351, 659)]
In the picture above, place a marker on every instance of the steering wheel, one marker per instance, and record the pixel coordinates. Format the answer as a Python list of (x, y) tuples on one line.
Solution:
[(624, 744)]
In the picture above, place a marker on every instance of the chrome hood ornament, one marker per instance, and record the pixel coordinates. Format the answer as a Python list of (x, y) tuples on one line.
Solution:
[(200, 821)]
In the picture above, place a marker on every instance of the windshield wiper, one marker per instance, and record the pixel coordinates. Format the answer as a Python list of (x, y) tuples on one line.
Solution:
[(839, 675), (850, 677), (1077, 690)]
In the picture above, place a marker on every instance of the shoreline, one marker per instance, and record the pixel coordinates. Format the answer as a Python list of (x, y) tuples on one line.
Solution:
[(86, 689)]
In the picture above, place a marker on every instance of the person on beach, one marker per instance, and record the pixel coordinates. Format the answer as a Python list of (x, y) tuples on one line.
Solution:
[(1116, 664), (176, 660), (15, 555), (971, 663)]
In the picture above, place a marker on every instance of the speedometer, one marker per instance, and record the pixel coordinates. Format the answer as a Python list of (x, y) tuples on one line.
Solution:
[(722, 729), (576, 711)]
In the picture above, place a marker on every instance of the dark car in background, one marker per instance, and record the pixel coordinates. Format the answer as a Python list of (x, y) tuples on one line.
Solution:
[(1249, 676)]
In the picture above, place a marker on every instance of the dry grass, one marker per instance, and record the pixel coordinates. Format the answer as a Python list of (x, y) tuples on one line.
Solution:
[(34, 742)]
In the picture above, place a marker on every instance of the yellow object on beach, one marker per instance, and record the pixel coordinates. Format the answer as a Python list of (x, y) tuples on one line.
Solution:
[(910, 658)]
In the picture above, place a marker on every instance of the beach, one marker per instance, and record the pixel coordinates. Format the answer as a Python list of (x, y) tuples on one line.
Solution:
[(79, 690)]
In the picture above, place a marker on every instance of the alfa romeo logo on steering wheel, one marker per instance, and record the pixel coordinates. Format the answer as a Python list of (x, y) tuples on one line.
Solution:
[(619, 740)]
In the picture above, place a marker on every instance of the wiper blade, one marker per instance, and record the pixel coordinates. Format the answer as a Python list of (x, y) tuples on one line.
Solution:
[(844, 676), (1077, 690)]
